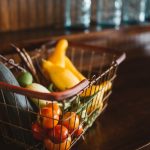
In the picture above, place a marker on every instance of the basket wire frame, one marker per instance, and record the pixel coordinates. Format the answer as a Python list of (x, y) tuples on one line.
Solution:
[(95, 106)]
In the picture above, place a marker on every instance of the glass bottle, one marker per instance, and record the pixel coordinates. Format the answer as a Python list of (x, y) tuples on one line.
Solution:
[(147, 11), (133, 11), (77, 14), (109, 13)]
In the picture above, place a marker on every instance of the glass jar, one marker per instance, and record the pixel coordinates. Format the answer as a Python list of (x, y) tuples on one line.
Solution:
[(77, 14), (109, 13), (147, 11), (133, 11)]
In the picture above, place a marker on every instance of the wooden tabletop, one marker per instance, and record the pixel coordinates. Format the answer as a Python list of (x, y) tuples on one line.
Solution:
[(125, 124)]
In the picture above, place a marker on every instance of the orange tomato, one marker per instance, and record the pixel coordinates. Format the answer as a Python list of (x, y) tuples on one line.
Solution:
[(71, 121), (61, 146), (55, 107), (48, 117)]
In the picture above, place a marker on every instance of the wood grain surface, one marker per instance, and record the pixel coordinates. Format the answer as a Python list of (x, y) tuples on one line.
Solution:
[(25, 14), (4, 16), (125, 123), (13, 14)]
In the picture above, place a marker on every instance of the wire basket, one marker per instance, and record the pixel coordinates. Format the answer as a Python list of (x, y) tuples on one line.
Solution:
[(83, 103)]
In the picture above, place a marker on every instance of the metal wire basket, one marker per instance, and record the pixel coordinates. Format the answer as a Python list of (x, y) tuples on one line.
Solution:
[(98, 64)]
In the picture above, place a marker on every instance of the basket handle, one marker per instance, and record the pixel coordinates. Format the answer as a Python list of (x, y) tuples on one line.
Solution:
[(121, 58), (58, 96)]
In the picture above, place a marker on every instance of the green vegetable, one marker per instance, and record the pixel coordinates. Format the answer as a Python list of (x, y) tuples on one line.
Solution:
[(25, 78), (50, 87)]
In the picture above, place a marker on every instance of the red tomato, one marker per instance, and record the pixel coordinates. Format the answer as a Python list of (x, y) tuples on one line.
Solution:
[(37, 131), (58, 134), (49, 118), (71, 121), (79, 131)]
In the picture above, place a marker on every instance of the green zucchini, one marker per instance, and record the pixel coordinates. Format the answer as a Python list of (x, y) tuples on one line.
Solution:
[(14, 108)]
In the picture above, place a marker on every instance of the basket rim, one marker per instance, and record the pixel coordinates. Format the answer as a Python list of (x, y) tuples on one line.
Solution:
[(121, 56)]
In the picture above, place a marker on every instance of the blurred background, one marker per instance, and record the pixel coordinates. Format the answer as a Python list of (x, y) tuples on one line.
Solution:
[(72, 14)]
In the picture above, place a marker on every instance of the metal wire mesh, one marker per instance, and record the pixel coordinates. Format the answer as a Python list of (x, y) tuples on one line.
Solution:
[(99, 67)]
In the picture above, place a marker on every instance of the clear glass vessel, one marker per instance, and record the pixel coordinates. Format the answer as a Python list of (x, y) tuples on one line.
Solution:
[(147, 11), (109, 13), (77, 14), (133, 11)]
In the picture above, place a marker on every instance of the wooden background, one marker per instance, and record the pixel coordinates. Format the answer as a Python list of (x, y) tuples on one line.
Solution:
[(27, 14)]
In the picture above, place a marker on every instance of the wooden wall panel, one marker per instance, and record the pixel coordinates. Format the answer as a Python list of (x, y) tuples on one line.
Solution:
[(23, 14), (13, 14), (26, 14), (57, 15), (4, 16), (32, 9), (93, 10), (50, 12), (41, 13)]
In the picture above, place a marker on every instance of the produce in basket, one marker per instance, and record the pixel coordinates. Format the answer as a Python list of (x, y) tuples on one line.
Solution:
[(17, 106), (48, 117), (54, 146), (71, 121), (38, 132), (65, 75), (60, 69), (95, 95), (58, 57), (58, 134), (103, 87), (40, 88), (25, 78), (69, 65), (61, 77), (95, 103), (55, 106), (79, 131), (47, 129), (21, 101)]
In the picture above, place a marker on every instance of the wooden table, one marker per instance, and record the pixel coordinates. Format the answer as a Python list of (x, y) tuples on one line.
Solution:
[(125, 124)]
